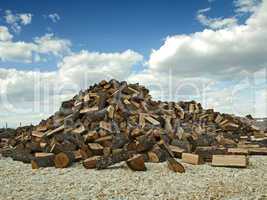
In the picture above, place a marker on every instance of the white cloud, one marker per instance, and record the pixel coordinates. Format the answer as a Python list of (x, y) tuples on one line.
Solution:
[(54, 17), (33, 51), (51, 44), (215, 23), (224, 52), (17, 51), (17, 20), (246, 6), (4, 34), (204, 10), (25, 18), (85, 67)]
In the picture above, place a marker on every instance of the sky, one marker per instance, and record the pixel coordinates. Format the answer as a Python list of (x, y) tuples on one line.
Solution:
[(211, 51)]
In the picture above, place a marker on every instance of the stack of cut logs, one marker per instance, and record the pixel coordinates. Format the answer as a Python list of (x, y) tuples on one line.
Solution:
[(114, 121)]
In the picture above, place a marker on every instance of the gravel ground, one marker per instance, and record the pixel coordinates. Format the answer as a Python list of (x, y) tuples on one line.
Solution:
[(19, 181)]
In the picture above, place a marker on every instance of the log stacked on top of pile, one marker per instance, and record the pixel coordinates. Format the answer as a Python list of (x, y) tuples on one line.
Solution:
[(114, 121)]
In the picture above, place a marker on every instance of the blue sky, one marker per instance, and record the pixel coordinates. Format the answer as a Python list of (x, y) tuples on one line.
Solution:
[(212, 51)]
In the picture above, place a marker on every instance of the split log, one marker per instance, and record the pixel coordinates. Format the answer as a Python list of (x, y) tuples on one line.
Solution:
[(152, 120), (156, 155), (64, 159), (177, 152), (237, 151), (57, 130), (43, 160), (258, 151), (175, 166), (96, 148), (136, 163), (207, 152), (144, 143), (193, 159), (90, 163), (229, 161)]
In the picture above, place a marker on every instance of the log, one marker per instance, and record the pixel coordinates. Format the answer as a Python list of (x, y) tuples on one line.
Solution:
[(90, 163), (43, 160), (156, 155), (152, 120), (258, 151), (106, 161), (144, 143), (23, 156), (57, 130), (193, 159), (64, 159), (136, 163), (106, 126), (175, 166), (177, 152), (229, 161), (96, 148), (237, 151), (207, 152)]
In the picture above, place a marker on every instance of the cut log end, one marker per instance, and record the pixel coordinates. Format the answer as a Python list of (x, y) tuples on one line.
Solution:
[(63, 160)]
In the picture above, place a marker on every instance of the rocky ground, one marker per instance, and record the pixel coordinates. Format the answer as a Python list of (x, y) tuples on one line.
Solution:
[(19, 181)]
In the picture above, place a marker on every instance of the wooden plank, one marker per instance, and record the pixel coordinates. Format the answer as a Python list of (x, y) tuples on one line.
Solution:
[(229, 161), (238, 151), (193, 159)]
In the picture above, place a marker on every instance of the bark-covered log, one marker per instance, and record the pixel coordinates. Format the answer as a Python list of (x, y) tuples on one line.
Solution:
[(136, 163), (106, 161), (43, 160)]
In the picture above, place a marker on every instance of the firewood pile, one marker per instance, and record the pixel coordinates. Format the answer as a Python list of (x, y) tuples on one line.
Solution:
[(113, 121)]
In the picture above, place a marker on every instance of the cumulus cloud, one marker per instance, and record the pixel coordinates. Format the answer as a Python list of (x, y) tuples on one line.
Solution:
[(246, 6), (51, 44), (4, 34), (231, 51), (17, 20), (28, 52), (85, 67), (215, 23), (54, 17)]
